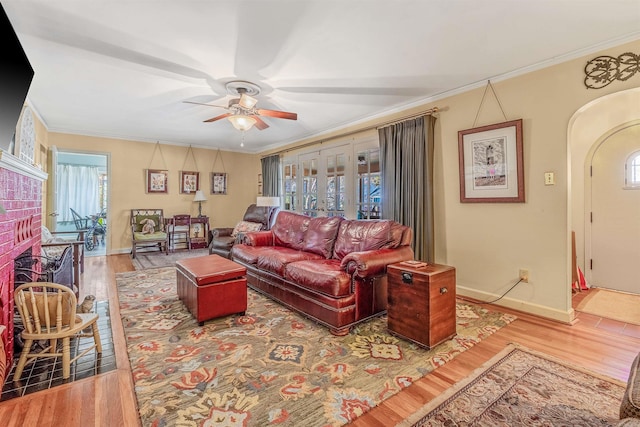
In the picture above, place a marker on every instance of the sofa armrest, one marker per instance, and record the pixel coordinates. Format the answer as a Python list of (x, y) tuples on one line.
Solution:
[(258, 238), (374, 263), (221, 231)]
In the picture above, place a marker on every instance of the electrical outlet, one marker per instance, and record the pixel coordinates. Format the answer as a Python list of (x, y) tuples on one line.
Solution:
[(524, 275)]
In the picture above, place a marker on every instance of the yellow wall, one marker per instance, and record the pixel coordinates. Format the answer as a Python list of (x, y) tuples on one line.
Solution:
[(487, 243), (130, 159)]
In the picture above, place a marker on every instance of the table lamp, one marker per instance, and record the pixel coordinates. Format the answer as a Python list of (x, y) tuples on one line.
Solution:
[(199, 198), (268, 201)]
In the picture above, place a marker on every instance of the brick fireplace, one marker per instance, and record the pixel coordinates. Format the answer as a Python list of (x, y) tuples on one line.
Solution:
[(21, 197)]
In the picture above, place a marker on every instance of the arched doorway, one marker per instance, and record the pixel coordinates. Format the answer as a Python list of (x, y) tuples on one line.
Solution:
[(614, 212), (588, 128)]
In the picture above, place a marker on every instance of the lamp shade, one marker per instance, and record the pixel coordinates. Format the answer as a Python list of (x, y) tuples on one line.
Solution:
[(199, 197), (242, 122), (268, 201)]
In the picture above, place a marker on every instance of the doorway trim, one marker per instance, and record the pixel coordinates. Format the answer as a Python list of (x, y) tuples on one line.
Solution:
[(52, 178), (588, 127)]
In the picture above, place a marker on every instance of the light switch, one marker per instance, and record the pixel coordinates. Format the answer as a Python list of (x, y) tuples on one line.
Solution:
[(549, 178)]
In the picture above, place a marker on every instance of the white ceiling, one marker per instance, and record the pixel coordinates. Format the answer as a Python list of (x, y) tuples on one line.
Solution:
[(122, 69)]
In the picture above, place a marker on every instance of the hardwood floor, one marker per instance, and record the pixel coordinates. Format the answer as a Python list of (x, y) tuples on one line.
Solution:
[(604, 346)]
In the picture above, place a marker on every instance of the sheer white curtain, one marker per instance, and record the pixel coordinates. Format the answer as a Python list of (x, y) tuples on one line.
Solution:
[(78, 189)]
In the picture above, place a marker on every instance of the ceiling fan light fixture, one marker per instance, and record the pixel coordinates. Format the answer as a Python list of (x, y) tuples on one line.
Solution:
[(247, 102), (242, 122)]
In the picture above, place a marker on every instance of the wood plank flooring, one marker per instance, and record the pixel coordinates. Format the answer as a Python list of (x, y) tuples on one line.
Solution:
[(604, 346)]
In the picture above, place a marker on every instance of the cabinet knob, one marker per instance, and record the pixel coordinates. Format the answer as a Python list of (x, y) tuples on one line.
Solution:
[(443, 290)]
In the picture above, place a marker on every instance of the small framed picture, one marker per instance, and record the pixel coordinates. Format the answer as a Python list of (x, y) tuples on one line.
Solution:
[(218, 183), (196, 230), (189, 182), (157, 181), (491, 163)]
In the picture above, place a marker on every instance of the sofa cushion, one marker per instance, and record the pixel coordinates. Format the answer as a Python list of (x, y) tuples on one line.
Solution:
[(289, 230), (277, 258), (248, 254), (246, 226), (361, 235), (321, 235), (324, 276), (141, 237)]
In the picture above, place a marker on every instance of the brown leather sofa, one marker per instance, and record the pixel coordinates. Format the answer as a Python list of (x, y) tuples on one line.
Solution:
[(222, 239), (330, 269)]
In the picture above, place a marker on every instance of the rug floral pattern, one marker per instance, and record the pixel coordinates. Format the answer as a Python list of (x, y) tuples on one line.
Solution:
[(271, 366), (527, 388)]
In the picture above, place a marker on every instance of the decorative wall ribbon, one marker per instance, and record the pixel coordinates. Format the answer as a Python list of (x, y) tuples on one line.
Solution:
[(604, 70)]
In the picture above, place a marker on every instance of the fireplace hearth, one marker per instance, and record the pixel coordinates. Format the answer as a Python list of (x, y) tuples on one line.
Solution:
[(21, 196)]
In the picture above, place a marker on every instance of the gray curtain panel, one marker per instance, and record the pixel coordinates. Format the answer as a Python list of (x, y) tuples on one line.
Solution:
[(271, 176), (406, 162)]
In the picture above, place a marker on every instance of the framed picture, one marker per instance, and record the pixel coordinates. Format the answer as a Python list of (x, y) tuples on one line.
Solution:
[(491, 163), (189, 182), (218, 183), (157, 181), (196, 230)]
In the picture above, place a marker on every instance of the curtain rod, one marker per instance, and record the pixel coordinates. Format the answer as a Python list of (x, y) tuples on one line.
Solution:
[(427, 112)]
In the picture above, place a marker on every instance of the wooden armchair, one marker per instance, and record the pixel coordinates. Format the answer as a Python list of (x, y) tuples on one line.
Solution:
[(48, 312), (148, 230), (180, 226)]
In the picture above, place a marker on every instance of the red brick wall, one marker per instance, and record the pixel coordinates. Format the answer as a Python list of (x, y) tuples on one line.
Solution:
[(21, 197)]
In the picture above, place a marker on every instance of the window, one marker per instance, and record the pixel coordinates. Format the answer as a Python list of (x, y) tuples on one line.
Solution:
[(368, 198), (633, 170), (340, 180), (289, 176)]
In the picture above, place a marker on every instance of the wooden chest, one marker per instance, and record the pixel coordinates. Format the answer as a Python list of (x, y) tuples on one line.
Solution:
[(422, 303)]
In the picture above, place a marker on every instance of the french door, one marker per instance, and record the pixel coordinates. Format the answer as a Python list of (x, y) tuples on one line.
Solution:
[(323, 183), (340, 180)]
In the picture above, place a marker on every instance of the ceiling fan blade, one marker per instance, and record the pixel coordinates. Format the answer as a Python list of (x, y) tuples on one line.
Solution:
[(220, 117), (277, 114), (260, 124), (208, 105)]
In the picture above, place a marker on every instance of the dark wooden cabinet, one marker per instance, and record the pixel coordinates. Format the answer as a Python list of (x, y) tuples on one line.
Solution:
[(422, 303)]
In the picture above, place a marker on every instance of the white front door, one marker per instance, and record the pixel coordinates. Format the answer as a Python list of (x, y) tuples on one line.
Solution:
[(615, 226)]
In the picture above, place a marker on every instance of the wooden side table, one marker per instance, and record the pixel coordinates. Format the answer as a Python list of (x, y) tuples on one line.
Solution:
[(198, 232), (422, 303)]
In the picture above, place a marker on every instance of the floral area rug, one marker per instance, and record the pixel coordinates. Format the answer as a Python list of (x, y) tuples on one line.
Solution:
[(520, 387), (157, 259), (271, 366)]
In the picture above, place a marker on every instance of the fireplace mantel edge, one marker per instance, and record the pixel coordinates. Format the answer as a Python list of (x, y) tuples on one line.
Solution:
[(11, 162)]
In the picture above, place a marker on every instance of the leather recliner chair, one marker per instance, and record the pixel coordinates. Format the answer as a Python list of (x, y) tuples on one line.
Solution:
[(222, 239)]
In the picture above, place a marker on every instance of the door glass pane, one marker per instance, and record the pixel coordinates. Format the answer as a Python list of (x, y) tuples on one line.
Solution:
[(290, 177), (310, 187), (368, 193), (335, 185)]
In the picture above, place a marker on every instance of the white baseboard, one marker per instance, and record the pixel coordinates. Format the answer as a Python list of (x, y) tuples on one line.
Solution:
[(527, 307)]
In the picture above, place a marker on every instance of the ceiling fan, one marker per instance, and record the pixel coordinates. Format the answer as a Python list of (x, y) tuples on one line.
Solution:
[(243, 113)]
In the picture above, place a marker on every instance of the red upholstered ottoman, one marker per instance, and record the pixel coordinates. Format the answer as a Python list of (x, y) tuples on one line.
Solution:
[(212, 286)]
